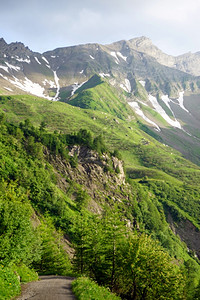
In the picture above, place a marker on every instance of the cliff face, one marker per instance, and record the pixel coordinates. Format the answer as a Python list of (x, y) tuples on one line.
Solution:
[(102, 176), (188, 234)]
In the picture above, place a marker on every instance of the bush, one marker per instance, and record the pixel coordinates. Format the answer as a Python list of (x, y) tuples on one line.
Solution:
[(26, 274), (9, 283), (86, 289)]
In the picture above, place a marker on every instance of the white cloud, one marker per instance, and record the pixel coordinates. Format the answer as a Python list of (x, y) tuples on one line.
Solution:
[(45, 25), (179, 11)]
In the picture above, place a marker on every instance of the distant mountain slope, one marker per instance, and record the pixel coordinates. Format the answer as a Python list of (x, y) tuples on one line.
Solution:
[(159, 95), (188, 62), (122, 62)]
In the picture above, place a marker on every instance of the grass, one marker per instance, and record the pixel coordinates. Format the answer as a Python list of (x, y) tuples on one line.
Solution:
[(102, 98), (86, 289), (10, 280), (142, 154)]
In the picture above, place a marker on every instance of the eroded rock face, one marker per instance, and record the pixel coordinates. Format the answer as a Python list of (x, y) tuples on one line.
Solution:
[(101, 176), (188, 62), (188, 234)]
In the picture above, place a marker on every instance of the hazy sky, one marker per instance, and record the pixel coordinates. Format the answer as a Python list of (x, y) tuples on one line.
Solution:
[(172, 25)]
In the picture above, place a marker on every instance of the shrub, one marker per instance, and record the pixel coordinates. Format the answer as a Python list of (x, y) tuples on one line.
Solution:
[(86, 289)]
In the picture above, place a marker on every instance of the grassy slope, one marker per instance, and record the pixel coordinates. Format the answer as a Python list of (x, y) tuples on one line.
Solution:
[(101, 97), (136, 146), (144, 157), (139, 150)]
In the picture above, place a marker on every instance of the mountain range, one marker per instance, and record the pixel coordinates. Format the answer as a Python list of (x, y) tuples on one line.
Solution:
[(89, 167), (161, 89)]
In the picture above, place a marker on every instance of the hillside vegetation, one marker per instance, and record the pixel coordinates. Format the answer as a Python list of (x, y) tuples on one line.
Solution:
[(66, 206)]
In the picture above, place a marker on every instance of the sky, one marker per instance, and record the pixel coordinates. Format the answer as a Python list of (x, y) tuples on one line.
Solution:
[(42, 25)]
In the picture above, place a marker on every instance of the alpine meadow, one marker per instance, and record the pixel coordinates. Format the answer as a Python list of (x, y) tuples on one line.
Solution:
[(100, 170)]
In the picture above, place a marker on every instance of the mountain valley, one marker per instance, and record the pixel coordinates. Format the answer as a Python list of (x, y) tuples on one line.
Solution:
[(100, 155)]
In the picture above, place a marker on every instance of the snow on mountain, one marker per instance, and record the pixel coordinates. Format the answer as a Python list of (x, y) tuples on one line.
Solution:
[(76, 86), (122, 56), (12, 67), (4, 68), (180, 101), (57, 85), (104, 75), (45, 60), (142, 82), (28, 86), (139, 112), (37, 60), (114, 54), (126, 86), (163, 114), (26, 60)]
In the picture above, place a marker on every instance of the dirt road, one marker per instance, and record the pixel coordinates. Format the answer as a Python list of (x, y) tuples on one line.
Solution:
[(48, 288)]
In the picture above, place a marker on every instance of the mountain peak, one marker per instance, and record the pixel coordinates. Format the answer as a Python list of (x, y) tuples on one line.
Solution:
[(2, 43), (142, 44)]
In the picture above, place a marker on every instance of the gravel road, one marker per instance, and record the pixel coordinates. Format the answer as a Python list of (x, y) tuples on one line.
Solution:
[(48, 288)]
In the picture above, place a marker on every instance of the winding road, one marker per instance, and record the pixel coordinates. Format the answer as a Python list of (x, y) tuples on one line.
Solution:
[(48, 288)]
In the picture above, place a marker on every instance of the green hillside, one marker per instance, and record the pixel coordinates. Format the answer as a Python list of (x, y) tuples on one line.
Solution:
[(99, 95), (45, 148)]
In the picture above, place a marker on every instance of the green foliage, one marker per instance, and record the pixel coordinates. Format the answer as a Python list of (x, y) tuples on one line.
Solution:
[(18, 240), (132, 265), (117, 154), (86, 289), (99, 145), (101, 249), (197, 292), (54, 260), (9, 283), (101, 97), (82, 199), (26, 274)]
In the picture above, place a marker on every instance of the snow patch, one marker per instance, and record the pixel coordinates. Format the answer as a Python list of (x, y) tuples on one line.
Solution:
[(122, 56), (76, 86), (140, 113), (180, 101), (10, 90), (4, 68), (45, 60), (48, 66), (12, 67), (142, 82), (92, 57), (50, 82), (163, 114), (37, 60), (57, 85), (167, 100), (143, 103), (4, 55), (115, 56), (104, 75), (4, 77), (28, 86), (81, 72), (53, 56), (126, 86), (26, 60)]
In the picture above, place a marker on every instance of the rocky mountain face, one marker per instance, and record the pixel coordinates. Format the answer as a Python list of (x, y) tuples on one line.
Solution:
[(58, 73), (188, 62), (160, 89)]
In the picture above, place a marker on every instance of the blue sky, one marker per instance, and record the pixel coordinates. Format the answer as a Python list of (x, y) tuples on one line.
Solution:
[(172, 25)]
